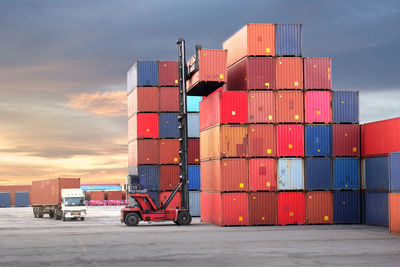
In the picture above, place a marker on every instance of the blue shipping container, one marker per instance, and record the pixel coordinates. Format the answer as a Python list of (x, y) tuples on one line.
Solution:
[(168, 125), (192, 103), (142, 73), (155, 196), (377, 172), (194, 203), (346, 207), (194, 177), (377, 208), (290, 174), (5, 199), (346, 173), (345, 106), (318, 173), (21, 199), (318, 140), (193, 125), (101, 187), (288, 40), (148, 176)]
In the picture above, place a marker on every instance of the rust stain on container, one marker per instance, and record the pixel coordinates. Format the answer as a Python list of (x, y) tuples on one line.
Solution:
[(319, 207), (261, 107), (289, 73), (263, 208), (169, 151), (289, 106), (169, 177), (48, 192), (262, 174), (262, 140), (169, 99), (143, 99), (144, 151)]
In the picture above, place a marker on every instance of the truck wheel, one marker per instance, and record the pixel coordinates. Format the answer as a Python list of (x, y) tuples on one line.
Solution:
[(184, 218), (51, 214), (63, 217), (35, 212), (57, 215), (82, 218), (132, 219)]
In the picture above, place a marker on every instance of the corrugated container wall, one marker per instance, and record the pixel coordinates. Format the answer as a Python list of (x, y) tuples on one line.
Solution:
[(143, 99), (261, 107), (346, 140), (96, 195), (194, 177), (192, 103), (288, 40), (394, 213), (21, 199), (148, 175), (169, 151), (377, 173), (318, 107), (176, 201), (289, 106), (318, 140), (290, 174), (261, 140), (143, 152), (290, 140), (345, 106), (142, 73), (12, 189), (289, 73), (346, 207), (169, 99), (381, 137), (263, 208), (291, 208), (155, 197), (317, 73), (193, 125), (318, 173), (194, 151), (319, 207), (168, 73), (377, 208), (5, 199), (346, 174), (143, 125), (168, 125), (48, 192), (114, 195), (194, 203), (169, 177), (262, 174)]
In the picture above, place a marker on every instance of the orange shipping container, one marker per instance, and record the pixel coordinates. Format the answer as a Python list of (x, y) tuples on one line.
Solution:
[(48, 192), (262, 174), (251, 40), (113, 195), (169, 99), (319, 207), (261, 106), (143, 99), (394, 213), (143, 152), (95, 195), (289, 73), (262, 140), (169, 151), (262, 208), (289, 106)]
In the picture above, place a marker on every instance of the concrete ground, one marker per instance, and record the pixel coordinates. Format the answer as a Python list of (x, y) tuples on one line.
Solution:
[(101, 240)]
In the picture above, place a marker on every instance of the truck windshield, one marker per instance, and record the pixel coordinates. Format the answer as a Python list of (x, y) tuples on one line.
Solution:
[(74, 201)]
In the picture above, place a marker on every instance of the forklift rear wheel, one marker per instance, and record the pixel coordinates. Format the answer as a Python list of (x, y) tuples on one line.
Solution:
[(132, 219), (184, 218)]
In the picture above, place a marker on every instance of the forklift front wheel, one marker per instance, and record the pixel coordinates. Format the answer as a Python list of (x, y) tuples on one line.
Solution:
[(132, 219), (184, 218)]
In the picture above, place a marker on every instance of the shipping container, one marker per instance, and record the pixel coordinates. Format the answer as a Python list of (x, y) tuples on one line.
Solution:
[(262, 140), (210, 72), (145, 151), (318, 106), (114, 195), (346, 140), (194, 177), (262, 174), (155, 197), (169, 99), (5, 199), (193, 125), (224, 175), (383, 172), (290, 140), (291, 208), (169, 151), (194, 151), (21, 199), (192, 103), (48, 192), (394, 213), (12, 189), (346, 207), (346, 174), (143, 99), (223, 141), (381, 137), (288, 39), (318, 140), (252, 73), (169, 177), (289, 106), (223, 107), (289, 73), (175, 203), (142, 73), (194, 203), (317, 73), (148, 176), (261, 107), (96, 195), (262, 208), (168, 73), (143, 125), (318, 173), (377, 208), (168, 125), (345, 105), (251, 40), (319, 207), (290, 174)]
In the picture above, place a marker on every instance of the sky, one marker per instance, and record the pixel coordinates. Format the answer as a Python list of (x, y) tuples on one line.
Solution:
[(63, 69)]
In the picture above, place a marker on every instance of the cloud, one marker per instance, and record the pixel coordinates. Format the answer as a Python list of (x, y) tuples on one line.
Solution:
[(104, 104)]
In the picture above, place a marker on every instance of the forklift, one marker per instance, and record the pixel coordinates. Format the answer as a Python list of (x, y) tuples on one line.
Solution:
[(140, 206)]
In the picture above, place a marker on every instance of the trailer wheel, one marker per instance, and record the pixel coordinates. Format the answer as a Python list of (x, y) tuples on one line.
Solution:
[(35, 212), (40, 213), (51, 214), (132, 219), (82, 218), (63, 217), (184, 218), (57, 215)]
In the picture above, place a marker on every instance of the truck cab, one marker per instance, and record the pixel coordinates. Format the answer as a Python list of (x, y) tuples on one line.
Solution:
[(73, 204)]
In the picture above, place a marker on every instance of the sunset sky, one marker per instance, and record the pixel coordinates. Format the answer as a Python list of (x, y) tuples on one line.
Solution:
[(63, 69)]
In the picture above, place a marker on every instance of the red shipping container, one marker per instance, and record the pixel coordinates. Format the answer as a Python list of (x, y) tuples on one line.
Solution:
[(211, 72), (194, 151), (144, 151), (12, 189), (169, 177), (346, 140), (317, 73), (96, 195), (261, 106), (318, 106), (262, 140), (168, 73), (143, 99), (289, 73), (319, 207), (252, 73), (175, 203), (169, 151), (223, 107), (289, 106), (48, 192), (113, 195), (169, 99), (381, 137), (223, 175), (291, 208), (262, 174), (394, 213), (262, 208), (290, 140), (143, 125)]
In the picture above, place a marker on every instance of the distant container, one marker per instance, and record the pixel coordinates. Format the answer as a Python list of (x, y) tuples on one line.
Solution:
[(142, 73), (12, 189), (346, 207), (318, 173), (194, 177), (262, 174), (155, 197), (252, 73), (263, 208), (168, 125), (194, 203), (262, 140), (223, 141), (168, 73), (291, 208), (290, 140), (288, 40), (318, 140), (289, 106), (145, 151), (192, 103), (394, 213), (193, 125), (261, 107), (377, 208), (114, 195), (319, 207), (345, 106), (346, 140), (346, 174), (175, 203), (223, 107), (383, 172), (169, 151), (318, 107), (194, 151), (143, 99), (317, 73), (21, 199), (104, 187), (224, 175), (5, 199), (148, 175), (169, 99), (381, 137), (143, 125), (289, 73), (96, 195), (290, 174), (48, 192), (169, 177), (251, 40)]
